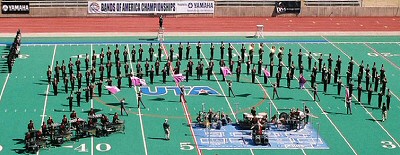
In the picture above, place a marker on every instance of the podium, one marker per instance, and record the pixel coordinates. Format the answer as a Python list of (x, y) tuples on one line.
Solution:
[(260, 31), (160, 35)]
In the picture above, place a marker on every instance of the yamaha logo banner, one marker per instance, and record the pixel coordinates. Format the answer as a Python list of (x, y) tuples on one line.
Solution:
[(144, 7), (15, 7), (288, 7)]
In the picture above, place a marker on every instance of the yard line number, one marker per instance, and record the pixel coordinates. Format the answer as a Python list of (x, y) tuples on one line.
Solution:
[(186, 146), (388, 144), (102, 147)]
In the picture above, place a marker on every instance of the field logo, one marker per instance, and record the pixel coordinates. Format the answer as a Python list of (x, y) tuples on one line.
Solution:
[(94, 7), (189, 90)]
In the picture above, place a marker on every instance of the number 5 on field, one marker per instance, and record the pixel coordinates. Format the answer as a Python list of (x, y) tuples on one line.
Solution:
[(186, 146), (388, 144)]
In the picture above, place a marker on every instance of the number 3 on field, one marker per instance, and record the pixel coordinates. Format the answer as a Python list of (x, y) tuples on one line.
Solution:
[(388, 144), (186, 146)]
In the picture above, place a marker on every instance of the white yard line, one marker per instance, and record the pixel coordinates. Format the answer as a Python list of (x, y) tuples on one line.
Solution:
[(4, 86), (91, 100), (139, 110), (322, 110), (185, 108), (302, 150), (47, 90), (223, 92)]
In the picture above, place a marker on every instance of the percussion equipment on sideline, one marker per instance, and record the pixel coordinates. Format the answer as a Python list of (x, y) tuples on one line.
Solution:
[(76, 120)]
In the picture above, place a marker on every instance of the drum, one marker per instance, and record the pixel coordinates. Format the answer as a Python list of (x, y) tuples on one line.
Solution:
[(263, 114), (120, 122), (249, 117), (244, 115)]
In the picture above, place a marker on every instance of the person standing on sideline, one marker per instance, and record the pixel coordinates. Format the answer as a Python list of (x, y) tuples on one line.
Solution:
[(70, 98), (384, 113), (123, 107), (315, 90), (182, 94), (275, 91), (348, 105), (380, 95), (161, 21), (339, 86), (388, 96), (307, 112), (359, 92), (167, 129), (230, 89), (139, 96), (370, 94)]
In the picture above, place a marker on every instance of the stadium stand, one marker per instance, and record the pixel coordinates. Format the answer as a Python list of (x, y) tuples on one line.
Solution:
[(54, 3), (332, 2)]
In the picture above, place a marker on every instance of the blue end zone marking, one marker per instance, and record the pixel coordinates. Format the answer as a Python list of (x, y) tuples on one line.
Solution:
[(229, 137), (167, 42)]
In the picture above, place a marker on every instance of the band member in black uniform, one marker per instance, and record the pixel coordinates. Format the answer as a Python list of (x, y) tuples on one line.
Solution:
[(242, 52), (339, 64), (140, 52), (99, 87), (212, 51), (300, 56), (253, 75), (359, 91), (151, 52), (171, 53), (238, 71), (159, 50), (70, 98), (66, 85), (198, 47), (188, 47), (222, 48), (78, 97), (133, 54)]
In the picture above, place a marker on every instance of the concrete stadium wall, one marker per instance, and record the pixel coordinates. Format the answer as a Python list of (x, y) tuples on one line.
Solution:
[(223, 11)]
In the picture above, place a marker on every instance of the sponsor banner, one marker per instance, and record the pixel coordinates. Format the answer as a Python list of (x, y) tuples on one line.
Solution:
[(15, 7), (145, 7), (288, 7)]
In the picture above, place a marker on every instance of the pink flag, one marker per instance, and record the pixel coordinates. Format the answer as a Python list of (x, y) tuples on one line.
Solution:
[(113, 89), (138, 82), (266, 72), (142, 82), (226, 71), (179, 78)]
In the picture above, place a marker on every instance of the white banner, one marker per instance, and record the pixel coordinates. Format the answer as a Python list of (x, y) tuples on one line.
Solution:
[(145, 7)]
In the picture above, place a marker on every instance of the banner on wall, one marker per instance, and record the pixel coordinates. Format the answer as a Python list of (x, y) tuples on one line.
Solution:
[(15, 7), (288, 7), (145, 7)]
